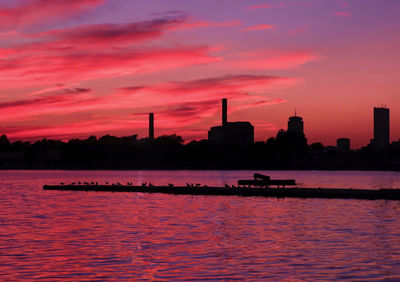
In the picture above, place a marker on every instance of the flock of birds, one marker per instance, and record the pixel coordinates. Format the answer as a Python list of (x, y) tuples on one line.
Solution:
[(144, 184)]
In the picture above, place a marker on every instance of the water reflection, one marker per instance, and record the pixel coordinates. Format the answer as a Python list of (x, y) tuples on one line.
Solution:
[(54, 235)]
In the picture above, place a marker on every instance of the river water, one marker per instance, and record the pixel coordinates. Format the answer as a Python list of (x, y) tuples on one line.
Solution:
[(96, 236)]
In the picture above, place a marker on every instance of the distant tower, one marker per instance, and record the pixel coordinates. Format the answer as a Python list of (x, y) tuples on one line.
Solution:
[(296, 124), (224, 112), (381, 127), (343, 144), (151, 126)]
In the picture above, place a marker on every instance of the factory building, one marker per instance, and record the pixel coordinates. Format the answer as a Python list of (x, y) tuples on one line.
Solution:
[(231, 133)]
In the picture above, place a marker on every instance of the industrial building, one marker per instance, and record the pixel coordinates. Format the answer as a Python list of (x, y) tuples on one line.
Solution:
[(381, 127), (231, 133)]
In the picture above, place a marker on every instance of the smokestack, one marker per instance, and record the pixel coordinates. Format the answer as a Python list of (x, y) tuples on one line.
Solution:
[(224, 111), (151, 126)]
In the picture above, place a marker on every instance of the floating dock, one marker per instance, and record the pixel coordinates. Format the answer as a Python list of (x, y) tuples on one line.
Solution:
[(329, 193)]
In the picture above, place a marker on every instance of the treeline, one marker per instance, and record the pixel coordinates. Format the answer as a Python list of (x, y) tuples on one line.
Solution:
[(285, 151)]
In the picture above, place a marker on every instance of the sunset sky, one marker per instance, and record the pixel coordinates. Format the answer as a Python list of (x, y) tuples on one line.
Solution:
[(75, 68)]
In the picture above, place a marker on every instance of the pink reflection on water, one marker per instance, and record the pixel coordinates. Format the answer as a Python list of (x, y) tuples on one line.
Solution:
[(53, 235)]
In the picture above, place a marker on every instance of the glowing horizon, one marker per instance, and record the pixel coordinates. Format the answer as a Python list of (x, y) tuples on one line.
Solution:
[(76, 68)]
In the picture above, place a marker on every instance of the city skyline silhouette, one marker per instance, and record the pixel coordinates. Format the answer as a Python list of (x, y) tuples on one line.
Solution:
[(96, 67)]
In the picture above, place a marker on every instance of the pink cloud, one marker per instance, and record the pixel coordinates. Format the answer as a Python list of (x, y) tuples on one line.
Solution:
[(270, 60), (209, 24), (97, 51), (69, 130), (260, 27), (230, 86), (65, 68), (31, 12), (198, 99), (106, 35), (342, 14), (265, 6), (194, 93), (299, 30), (259, 6)]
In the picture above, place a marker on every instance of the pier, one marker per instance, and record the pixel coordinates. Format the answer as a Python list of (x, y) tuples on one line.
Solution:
[(327, 193)]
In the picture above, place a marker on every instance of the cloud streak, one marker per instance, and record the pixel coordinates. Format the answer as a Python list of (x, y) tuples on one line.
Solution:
[(260, 27), (342, 14), (32, 12)]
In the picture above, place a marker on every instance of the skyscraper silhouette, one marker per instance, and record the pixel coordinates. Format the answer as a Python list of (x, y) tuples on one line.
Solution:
[(224, 112), (296, 124), (381, 127), (343, 144)]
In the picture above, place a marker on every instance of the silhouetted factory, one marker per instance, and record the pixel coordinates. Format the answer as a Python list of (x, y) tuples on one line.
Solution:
[(239, 133)]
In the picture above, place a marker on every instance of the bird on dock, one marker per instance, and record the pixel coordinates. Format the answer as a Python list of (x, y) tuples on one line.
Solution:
[(170, 185), (107, 183), (73, 183), (144, 184), (79, 183), (227, 186), (119, 184), (150, 185), (61, 183)]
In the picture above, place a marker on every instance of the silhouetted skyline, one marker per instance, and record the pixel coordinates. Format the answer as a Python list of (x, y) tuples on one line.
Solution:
[(72, 69)]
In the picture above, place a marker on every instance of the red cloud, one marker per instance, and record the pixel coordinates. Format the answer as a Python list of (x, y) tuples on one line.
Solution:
[(96, 51), (38, 11), (60, 101), (199, 99), (44, 69), (64, 131), (260, 27)]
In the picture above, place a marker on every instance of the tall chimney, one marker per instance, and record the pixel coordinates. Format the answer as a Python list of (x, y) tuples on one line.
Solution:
[(224, 111), (151, 126)]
